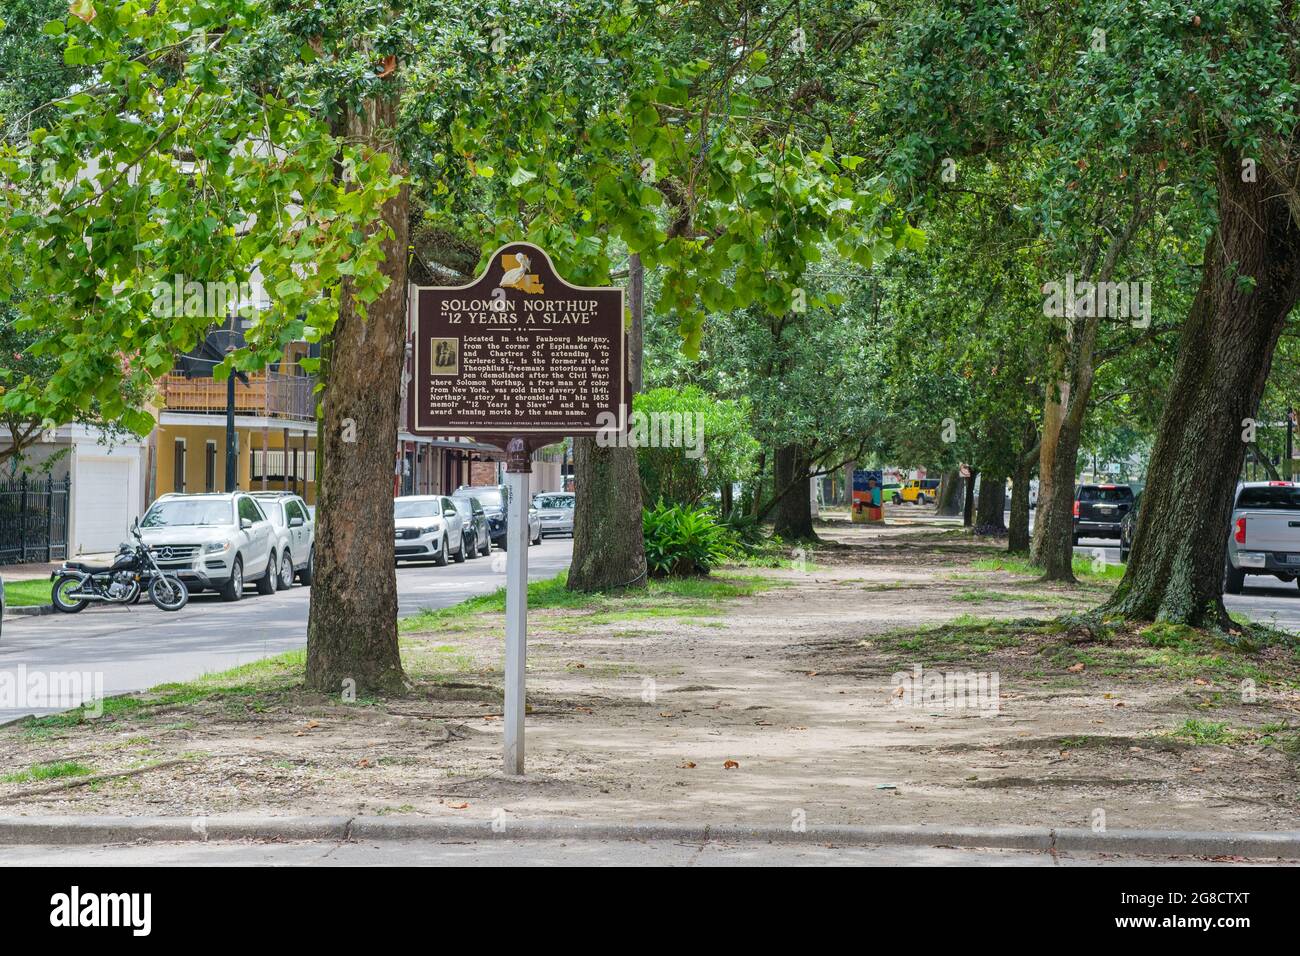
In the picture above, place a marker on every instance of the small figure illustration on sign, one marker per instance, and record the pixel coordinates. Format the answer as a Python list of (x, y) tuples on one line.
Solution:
[(446, 361)]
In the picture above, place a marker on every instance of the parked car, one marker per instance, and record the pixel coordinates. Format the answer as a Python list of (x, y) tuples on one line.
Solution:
[(428, 526), (493, 498), (892, 491), (478, 533), (555, 510), (1099, 509), (1264, 534), (218, 541), (295, 534), (920, 491)]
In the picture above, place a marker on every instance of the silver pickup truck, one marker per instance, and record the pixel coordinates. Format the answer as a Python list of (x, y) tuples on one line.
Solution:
[(1264, 536)]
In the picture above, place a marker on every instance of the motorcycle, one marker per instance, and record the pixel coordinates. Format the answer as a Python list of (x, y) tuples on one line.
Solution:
[(132, 572)]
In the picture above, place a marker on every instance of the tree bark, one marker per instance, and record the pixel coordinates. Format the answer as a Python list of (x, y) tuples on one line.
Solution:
[(792, 515), (352, 622), (990, 505), (608, 544), (608, 538), (1250, 282), (1054, 402), (1018, 533), (968, 508), (948, 503)]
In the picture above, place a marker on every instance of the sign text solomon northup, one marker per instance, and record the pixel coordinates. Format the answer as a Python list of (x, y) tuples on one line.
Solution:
[(519, 352)]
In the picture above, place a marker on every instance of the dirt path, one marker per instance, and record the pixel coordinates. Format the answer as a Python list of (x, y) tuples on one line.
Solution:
[(641, 715)]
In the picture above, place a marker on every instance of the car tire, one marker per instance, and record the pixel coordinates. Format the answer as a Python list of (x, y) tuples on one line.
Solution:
[(1123, 555), (286, 571), (1075, 538), (440, 559), (487, 546), (922, 500), (469, 545), (233, 590), (304, 576), (897, 499), (538, 539), (270, 578), (1234, 579), (459, 554)]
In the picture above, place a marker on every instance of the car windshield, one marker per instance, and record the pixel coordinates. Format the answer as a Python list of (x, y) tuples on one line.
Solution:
[(464, 507), (1269, 498), (189, 512), (1105, 493), (553, 501), (488, 497), (274, 512), (417, 509)]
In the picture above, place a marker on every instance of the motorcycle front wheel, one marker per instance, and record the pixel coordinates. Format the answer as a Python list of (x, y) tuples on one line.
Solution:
[(60, 594), (168, 593)]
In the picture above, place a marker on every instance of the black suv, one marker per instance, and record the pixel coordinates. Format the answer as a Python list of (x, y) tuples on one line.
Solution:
[(1100, 509)]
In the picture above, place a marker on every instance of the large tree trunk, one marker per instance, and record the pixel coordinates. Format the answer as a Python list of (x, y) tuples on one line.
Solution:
[(608, 539), (1054, 402), (608, 545), (991, 504), (968, 509), (1018, 533), (949, 501), (352, 623), (1250, 282), (792, 514)]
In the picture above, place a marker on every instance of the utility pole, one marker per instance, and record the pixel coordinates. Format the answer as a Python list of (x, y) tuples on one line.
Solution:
[(1290, 440), (232, 470)]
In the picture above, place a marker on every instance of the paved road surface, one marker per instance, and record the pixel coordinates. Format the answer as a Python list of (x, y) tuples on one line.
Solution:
[(550, 853), (139, 647)]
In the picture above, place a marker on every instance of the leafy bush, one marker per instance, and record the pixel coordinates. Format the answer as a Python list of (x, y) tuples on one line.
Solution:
[(724, 450), (681, 541)]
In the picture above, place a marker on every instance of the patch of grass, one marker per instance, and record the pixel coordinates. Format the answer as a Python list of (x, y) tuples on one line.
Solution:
[(27, 593), (1205, 732), (1083, 568), (965, 636), (661, 597), (48, 771)]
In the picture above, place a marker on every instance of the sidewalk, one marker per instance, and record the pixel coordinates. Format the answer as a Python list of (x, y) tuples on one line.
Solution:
[(34, 571)]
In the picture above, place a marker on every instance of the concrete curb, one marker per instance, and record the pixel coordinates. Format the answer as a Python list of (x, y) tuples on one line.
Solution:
[(29, 610), (83, 830)]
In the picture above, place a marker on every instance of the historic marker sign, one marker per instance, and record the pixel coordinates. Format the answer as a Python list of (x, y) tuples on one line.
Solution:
[(518, 353), (518, 358)]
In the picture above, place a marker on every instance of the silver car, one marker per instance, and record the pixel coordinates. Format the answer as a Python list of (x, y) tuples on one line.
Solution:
[(427, 527), (295, 535), (555, 508), (217, 541)]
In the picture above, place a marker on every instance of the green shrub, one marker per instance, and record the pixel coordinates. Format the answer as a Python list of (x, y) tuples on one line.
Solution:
[(681, 541), (725, 451)]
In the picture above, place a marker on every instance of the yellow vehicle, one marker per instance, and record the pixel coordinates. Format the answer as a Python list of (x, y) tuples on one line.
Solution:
[(920, 491)]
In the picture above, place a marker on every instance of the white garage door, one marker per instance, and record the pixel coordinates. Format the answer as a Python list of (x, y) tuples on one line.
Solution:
[(102, 488)]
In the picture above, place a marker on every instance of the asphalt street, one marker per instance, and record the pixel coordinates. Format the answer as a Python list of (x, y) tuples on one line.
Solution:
[(139, 647)]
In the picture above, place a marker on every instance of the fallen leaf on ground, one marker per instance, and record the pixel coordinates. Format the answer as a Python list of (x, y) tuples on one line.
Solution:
[(458, 806), (688, 765), (1075, 668), (730, 765)]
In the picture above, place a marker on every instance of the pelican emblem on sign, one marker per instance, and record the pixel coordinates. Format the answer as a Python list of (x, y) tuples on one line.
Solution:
[(517, 275)]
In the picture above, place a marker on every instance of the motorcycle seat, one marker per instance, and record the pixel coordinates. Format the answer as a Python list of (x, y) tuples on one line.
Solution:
[(87, 568)]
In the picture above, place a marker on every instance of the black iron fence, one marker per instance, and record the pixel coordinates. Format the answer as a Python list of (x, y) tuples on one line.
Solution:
[(34, 519)]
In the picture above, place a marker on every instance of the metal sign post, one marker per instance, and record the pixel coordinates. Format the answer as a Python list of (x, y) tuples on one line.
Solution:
[(517, 474)]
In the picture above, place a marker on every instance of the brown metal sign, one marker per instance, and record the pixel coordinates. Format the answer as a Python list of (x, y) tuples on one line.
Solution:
[(518, 353)]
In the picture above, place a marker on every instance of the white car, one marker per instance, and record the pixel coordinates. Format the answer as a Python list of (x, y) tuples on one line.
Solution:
[(217, 541), (295, 535), (555, 508), (427, 527)]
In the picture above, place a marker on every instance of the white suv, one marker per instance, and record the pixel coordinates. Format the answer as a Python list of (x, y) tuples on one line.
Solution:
[(427, 526), (214, 541), (295, 535)]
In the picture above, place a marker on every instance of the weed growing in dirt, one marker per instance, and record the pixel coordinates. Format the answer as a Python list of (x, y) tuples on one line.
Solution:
[(48, 771)]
